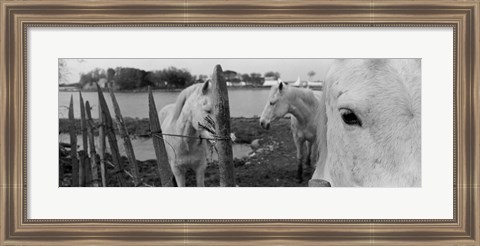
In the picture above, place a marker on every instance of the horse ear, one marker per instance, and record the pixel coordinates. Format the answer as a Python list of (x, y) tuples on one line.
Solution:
[(280, 86), (205, 87)]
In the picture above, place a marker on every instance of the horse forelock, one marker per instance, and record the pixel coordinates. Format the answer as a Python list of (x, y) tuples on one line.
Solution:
[(399, 78), (273, 91), (384, 87)]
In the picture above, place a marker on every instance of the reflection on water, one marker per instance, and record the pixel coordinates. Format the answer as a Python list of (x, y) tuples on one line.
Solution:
[(243, 102), (143, 147)]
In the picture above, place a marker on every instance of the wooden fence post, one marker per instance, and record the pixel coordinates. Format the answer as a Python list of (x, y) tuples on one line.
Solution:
[(93, 155), (112, 139), (84, 156), (101, 144), (73, 145), (126, 140), (222, 127), (61, 174), (87, 171), (163, 165), (81, 169)]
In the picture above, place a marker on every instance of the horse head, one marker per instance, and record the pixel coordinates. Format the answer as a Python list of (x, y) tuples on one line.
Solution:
[(372, 136), (202, 110), (276, 106)]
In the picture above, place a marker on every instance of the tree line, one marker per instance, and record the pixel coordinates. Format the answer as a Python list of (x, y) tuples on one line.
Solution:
[(126, 78)]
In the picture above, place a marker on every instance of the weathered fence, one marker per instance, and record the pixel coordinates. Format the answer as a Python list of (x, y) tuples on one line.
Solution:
[(221, 110), (73, 145), (93, 154), (164, 169), (126, 140), (102, 146), (83, 155), (86, 172), (112, 139)]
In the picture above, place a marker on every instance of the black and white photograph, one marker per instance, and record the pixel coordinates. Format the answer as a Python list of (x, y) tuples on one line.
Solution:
[(226, 122), (312, 122)]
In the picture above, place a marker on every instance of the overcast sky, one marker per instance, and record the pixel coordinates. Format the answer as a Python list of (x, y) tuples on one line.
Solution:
[(289, 69)]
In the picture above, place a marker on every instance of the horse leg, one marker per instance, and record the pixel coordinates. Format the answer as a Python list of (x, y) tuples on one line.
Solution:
[(179, 176), (200, 174), (308, 156), (299, 146)]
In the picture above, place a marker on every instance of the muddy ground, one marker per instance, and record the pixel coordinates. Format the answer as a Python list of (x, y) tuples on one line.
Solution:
[(272, 162)]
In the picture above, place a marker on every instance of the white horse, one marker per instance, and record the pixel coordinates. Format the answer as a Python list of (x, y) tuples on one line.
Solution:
[(303, 105), (369, 131), (186, 117)]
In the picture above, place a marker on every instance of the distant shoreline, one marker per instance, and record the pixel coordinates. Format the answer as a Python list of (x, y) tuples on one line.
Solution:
[(143, 90), (63, 89), (60, 89)]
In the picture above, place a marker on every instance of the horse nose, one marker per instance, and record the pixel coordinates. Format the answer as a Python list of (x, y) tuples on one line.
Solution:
[(318, 183), (264, 124)]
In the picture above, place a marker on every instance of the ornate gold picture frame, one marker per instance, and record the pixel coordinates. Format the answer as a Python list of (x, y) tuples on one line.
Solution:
[(17, 16)]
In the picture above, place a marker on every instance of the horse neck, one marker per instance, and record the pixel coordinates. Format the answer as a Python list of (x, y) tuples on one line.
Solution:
[(183, 125), (302, 104)]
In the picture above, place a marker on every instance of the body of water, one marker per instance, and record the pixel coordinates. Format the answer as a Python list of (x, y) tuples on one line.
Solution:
[(243, 102), (246, 102)]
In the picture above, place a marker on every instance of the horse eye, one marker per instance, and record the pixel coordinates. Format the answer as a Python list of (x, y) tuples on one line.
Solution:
[(271, 103), (209, 111), (349, 117)]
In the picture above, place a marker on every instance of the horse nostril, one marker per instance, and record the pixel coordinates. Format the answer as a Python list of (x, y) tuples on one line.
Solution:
[(261, 123)]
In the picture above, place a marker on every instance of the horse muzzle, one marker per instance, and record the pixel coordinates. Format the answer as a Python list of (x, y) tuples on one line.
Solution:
[(318, 183), (265, 125)]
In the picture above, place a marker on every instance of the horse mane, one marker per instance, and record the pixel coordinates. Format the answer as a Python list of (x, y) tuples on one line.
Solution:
[(305, 94), (182, 98)]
